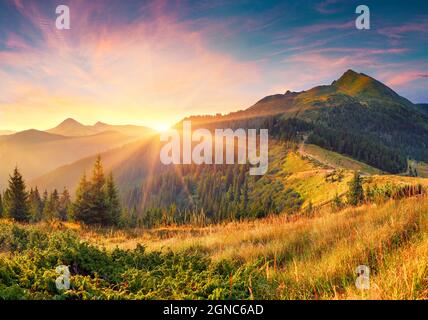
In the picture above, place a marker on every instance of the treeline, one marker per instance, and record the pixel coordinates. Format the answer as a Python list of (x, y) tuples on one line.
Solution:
[(208, 194), (356, 145), (396, 128), (356, 195), (96, 201), (360, 148)]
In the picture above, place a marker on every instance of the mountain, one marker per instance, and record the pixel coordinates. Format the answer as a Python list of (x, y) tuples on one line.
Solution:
[(38, 152), (130, 130), (423, 107), (73, 128), (355, 122), (355, 115), (31, 136)]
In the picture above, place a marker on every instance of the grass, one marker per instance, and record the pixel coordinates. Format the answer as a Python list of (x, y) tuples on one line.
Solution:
[(421, 168), (308, 257), (337, 160)]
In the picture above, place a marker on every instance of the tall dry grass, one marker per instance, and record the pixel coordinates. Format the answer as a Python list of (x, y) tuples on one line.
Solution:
[(316, 257), (310, 257)]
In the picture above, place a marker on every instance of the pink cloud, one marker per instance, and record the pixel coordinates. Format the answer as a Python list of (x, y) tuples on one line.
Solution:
[(398, 32), (403, 78), (329, 6), (120, 70)]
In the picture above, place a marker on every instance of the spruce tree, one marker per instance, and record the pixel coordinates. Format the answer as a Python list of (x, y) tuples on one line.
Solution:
[(64, 205), (337, 202), (98, 196), (17, 198), (36, 205), (45, 202), (82, 210), (356, 192), (112, 201)]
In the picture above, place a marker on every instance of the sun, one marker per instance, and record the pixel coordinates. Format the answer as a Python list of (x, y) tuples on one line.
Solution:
[(161, 127)]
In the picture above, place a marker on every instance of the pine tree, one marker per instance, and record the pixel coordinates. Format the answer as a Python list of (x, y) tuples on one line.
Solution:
[(51, 208), (36, 205), (64, 205), (337, 202), (112, 200), (82, 210), (98, 196), (17, 198), (93, 205), (356, 192)]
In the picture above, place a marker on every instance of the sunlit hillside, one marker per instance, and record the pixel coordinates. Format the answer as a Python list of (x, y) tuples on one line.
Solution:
[(280, 257)]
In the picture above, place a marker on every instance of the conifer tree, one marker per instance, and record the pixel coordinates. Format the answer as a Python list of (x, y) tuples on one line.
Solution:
[(36, 205), (98, 197), (112, 201), (17, 198), (82, 210), (337, 202), (64, 205), (356, 192)]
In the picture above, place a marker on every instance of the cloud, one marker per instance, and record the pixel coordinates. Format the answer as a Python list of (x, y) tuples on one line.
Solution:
[(146, 70), (398, 32), (403, 78), (330, 6)]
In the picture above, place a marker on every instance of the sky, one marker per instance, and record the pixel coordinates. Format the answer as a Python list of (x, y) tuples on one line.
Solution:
[(154, 62)]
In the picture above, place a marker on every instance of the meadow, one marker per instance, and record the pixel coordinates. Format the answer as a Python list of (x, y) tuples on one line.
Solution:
[(307, 256)]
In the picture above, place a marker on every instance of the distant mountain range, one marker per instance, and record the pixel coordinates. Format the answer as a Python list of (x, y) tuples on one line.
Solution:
[(356, 115), (73, 128), (37, 152)]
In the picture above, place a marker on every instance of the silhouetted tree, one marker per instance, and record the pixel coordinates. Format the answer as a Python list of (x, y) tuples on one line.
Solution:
[(36, 205), (112, 201), (16, 198), (64, 205)]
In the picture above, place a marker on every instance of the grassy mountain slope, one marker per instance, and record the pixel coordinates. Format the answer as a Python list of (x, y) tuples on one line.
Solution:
[(356, 115), (336, 160)]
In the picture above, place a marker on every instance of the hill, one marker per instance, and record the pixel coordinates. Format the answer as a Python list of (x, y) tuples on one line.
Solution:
[(356, 115), (37, 152), (356, 123), (423, 108), (71, 127)]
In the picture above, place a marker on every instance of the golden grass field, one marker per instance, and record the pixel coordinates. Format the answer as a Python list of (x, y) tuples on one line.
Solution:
[(310, 256)]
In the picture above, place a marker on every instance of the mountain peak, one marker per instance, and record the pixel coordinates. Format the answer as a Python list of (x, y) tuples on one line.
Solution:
[(351, 77), (366, 88), (100, 124), (71, 127), (70, 121)]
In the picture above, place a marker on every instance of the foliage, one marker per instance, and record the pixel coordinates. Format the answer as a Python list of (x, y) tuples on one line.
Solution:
[(16, 198), (97, 200), (118, 274), (355, 194)]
